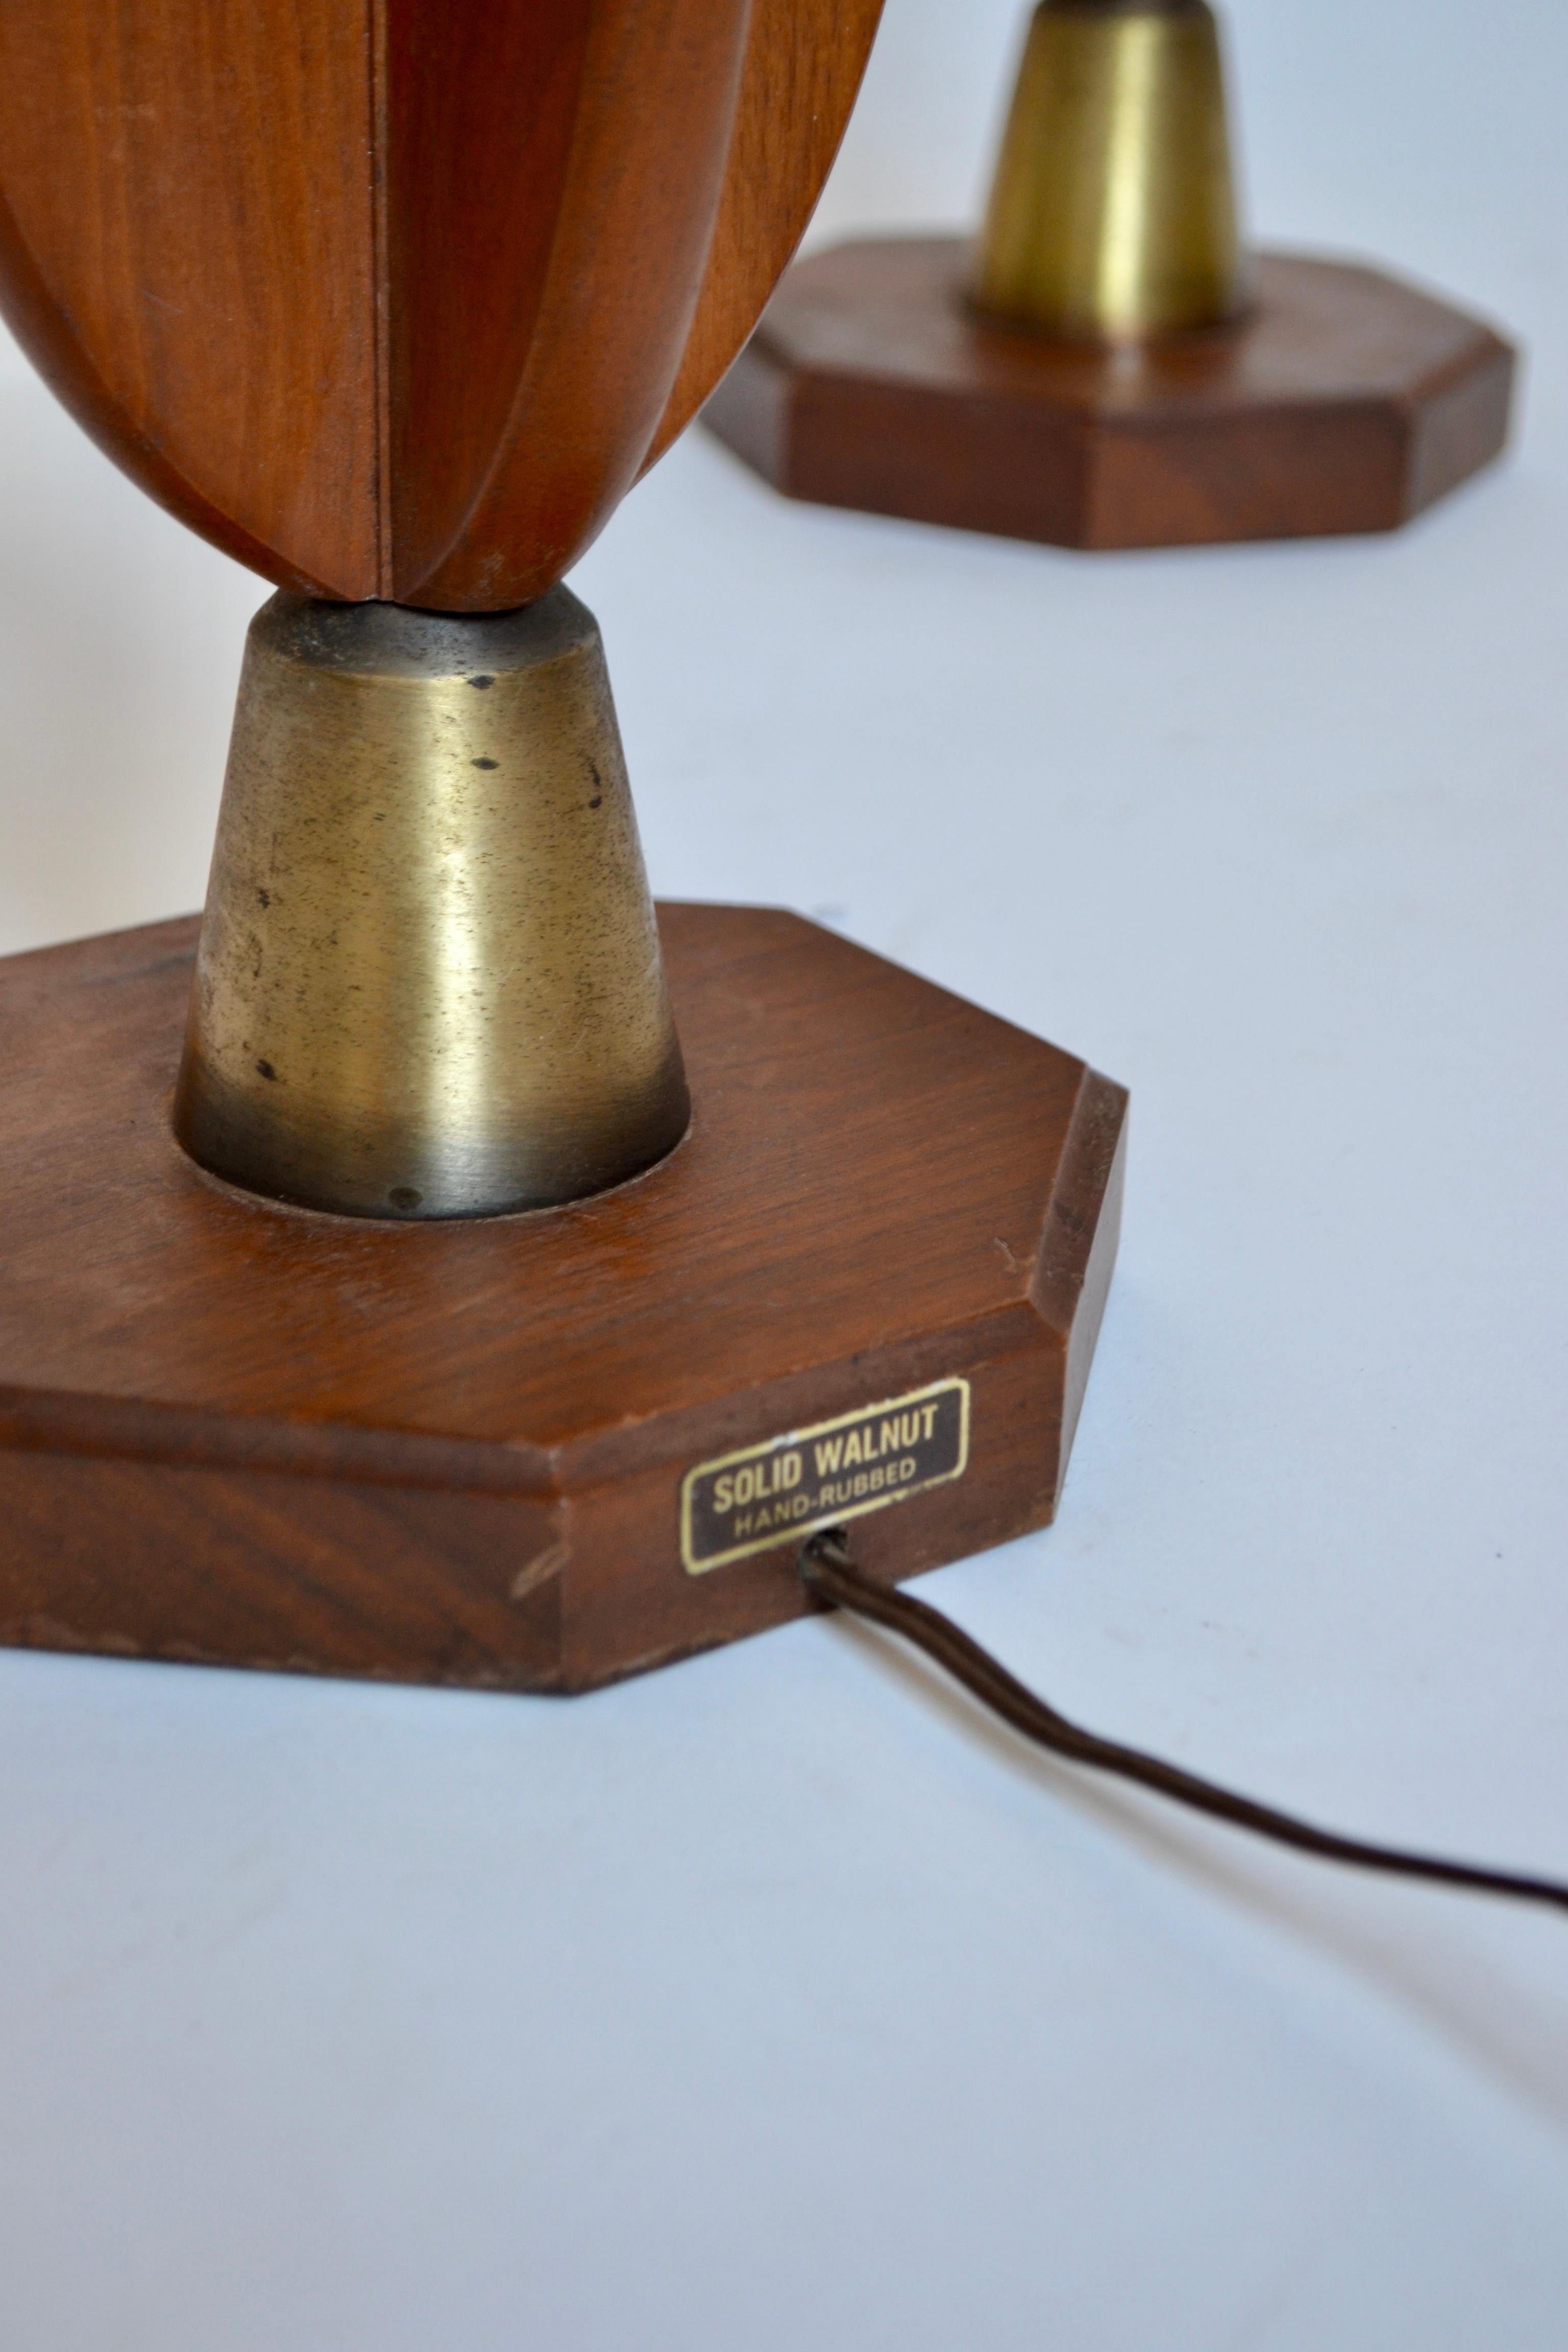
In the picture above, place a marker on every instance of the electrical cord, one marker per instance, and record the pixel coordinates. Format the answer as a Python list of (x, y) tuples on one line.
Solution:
[(831, 1577)]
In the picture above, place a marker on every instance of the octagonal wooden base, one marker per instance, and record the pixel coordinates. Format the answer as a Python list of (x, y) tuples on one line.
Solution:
[(1343, 401), (459, 1454)]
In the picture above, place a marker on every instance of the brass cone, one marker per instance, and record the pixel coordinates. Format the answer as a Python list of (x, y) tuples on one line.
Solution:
[(429, 981), (1114, 213)]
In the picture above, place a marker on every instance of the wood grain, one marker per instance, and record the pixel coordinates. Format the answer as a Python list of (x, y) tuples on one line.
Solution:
[(805, 62), (186, 251), (1345, 401), (392, 297), (454, 1453)]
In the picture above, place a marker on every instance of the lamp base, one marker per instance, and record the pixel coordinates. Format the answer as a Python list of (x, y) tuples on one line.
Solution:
[(1342, 401), (543, 1451)]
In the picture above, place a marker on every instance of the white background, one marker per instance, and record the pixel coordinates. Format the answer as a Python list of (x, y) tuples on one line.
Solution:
[(775, 2002)]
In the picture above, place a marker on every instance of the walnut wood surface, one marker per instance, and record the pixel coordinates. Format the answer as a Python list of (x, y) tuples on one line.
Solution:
[(394, 298), (804, 60), (453, 1453), (1344, 402)]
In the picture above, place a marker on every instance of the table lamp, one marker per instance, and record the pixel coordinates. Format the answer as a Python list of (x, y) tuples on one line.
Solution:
[(437, 1264), (1108, 366)]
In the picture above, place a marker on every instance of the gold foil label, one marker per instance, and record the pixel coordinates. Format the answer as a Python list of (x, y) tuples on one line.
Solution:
[(780, 1491)]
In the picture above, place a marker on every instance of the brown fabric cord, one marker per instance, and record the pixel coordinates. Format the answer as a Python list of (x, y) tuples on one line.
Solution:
[(831, 1577)]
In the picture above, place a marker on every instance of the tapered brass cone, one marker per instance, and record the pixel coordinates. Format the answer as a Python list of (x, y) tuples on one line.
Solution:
[(1113, 212), (429, 981)]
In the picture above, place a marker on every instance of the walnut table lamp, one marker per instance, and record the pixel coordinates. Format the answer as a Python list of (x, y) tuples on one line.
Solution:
[(438, 1263), (1107, 367)]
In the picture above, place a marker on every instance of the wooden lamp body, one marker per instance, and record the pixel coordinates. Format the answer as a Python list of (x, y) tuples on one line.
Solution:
[(393, 299), (1107, 368)]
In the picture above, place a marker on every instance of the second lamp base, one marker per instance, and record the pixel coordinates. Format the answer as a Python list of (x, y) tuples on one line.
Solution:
[(1344, 400)]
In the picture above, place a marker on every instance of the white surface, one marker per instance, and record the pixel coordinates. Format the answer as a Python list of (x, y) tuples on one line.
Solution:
[(775, 2001)]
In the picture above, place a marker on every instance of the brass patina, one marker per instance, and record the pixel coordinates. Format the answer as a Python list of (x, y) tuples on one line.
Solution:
[(429, 983), (1113, 212)]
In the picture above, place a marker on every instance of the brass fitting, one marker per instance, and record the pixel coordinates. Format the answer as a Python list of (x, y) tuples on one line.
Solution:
[(1113, 215), (429, 983)]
